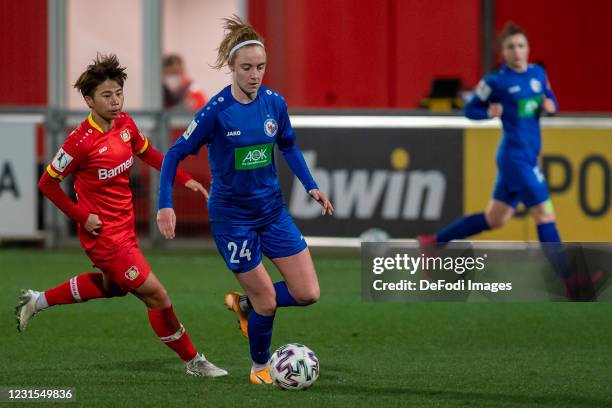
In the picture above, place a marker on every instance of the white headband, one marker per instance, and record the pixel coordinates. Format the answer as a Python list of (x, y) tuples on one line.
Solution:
[(242, 44)]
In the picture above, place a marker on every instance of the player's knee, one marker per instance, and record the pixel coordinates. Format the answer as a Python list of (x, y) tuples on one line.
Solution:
[(115, 292), (159, 299), (308, 297), (264, 303), (112, 289), (496, 222), (164, 299), (266, 307), (544, 218), (544, 213)]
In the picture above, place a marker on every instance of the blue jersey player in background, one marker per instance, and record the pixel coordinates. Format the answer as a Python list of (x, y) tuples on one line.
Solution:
[(241, 125), (518, 93)]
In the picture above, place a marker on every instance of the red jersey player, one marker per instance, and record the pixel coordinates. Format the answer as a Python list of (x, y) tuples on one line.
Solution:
[(99, 154)]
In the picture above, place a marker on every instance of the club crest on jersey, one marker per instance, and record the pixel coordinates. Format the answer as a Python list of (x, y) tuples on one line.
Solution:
[(270, 127), (132, 273), (536, 86), (125, 135)]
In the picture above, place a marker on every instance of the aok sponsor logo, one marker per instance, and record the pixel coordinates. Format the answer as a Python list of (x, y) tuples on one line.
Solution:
[(252, 157), (529, 107), (104, 174), (373, 193)]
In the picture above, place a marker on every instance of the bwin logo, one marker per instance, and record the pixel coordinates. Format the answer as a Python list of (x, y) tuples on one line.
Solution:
[(406, 195), (233, 133)]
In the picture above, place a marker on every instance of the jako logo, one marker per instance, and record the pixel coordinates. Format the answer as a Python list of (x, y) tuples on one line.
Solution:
[(359, 193), (233, 133), (255, 156), (104, 174)]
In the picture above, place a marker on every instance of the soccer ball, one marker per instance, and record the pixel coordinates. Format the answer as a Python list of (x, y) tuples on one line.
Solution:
[(294, 367)]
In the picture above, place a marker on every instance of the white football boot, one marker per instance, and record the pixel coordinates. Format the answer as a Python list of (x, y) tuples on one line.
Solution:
[(26, 308), (201, 367)]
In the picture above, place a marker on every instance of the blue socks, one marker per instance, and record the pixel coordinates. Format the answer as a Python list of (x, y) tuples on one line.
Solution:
[(463, 227), (548, 232), (553, 249), (283, 297), (260, 327), (260, 336)]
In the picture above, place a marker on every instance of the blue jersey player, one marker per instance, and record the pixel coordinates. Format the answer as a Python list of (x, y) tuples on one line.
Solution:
[(518, 93), (241, 125)]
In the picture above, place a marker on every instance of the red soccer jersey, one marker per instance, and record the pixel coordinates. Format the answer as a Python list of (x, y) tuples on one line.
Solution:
[(100, 163)]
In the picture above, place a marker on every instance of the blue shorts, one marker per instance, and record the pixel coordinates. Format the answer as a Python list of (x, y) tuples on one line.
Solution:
[(241, 246), (520, 182)]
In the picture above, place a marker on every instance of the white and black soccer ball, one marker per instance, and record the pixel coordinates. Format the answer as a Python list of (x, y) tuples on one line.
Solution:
[(294, 367)]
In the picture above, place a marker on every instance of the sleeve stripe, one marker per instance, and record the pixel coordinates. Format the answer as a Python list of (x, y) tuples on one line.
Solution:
[(144, 147), (54, 174)]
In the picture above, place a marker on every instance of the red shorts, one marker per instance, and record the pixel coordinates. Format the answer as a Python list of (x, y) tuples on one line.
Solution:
[(127, 267)]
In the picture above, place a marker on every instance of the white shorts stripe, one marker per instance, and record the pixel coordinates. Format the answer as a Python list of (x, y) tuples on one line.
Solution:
[(74, 288), (175, 336)]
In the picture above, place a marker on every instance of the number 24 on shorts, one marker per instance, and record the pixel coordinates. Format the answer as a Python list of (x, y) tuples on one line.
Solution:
[(244, 251)]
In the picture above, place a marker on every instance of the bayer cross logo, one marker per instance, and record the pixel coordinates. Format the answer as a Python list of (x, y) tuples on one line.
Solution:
[(131, 273), (125, 135), (270, 127)]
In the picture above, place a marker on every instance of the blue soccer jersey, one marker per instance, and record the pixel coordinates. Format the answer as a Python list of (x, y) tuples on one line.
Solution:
[(520, 94), (240, 139)]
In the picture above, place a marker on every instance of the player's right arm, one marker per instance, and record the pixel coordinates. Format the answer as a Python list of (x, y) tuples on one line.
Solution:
[(482, 104), (197, 134), (66, 160)]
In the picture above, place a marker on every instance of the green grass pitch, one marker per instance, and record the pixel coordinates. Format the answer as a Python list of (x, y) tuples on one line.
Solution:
[(371, 354)]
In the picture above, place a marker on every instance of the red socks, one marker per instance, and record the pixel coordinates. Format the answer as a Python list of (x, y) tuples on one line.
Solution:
[(164, 322), (171, 331), (79, 288)]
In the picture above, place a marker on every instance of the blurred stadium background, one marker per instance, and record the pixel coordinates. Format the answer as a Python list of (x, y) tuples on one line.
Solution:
[(382, 81)]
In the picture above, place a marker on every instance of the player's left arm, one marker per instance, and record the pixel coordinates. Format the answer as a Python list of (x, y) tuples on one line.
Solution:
[(295, 159), (153, 157), (549, 100)]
